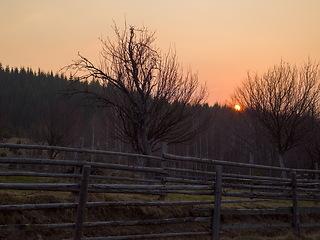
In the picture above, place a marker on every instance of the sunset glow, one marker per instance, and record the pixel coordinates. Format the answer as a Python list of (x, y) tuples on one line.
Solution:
[(219, 40)]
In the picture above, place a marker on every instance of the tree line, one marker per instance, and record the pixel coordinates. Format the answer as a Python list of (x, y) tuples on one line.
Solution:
[(138, 97), (34, 105)]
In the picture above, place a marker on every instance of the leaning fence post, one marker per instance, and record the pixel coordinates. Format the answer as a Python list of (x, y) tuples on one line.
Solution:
[(83, 192), (79, 145), (295, 208), (217, 204)]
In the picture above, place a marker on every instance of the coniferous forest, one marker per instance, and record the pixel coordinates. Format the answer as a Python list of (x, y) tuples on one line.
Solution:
[(37, 106)]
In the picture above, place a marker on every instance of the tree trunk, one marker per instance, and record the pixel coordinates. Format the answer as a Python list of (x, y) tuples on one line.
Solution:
[(146, 147), (281, 164), (146, 150)]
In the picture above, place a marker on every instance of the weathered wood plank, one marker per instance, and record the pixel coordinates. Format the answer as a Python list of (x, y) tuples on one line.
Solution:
[(187, 181), (37, 206), (151, 192), (255, 187), (98, 204), (77, 235), (82, 163), (217, 204), (235, 226), (309, 225), (266, 179), (248, 212), (149, 187), (148, 222), (275, 211), (36, 174), (189, 171), (78, 157), (149, 236), (41, 186), (244, 212), (38, 161), (234, 164), (257, 195), (68, 149), (309, 210), (34, 227), (295, 207)]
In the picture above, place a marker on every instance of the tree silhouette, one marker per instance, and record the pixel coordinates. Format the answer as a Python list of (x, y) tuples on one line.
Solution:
[(152, 99), (283, 100)]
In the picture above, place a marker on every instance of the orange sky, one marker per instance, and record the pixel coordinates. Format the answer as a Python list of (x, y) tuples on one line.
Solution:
[(219, 39)]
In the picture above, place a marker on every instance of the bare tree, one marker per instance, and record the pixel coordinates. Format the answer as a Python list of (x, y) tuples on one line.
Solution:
[(152, 99), (58, 124), (283, 100), (313, 147)]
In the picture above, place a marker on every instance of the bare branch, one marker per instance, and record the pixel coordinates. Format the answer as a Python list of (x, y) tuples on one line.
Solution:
[(150, 92), (283, 100)]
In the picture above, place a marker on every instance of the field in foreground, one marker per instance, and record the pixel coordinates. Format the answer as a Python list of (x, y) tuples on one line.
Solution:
[(131, 213)]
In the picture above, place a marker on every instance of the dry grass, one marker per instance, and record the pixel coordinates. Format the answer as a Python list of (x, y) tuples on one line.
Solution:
[(131, 213)]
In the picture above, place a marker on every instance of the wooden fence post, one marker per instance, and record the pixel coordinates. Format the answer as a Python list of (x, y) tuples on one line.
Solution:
[(316, 177), (217, 204), (83, 192), (164, 149), (251, 170), (251, 162), (295, 208), (79, 144)]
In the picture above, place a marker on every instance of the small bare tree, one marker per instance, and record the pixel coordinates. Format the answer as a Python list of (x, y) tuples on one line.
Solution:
[(283, 100), (58, 124), (313, 147), (152, 99)]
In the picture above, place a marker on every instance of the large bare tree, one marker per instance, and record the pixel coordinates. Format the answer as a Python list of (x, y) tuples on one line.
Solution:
[(151, 98), (283, 99)]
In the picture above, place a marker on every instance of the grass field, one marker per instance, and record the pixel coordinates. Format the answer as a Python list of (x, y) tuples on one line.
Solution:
[(131, 213)]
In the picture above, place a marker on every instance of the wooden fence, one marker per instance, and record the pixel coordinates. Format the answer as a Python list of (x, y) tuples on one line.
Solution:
[(218, 187)]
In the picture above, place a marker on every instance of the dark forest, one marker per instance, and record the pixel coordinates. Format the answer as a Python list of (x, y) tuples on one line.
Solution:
[(37, 106)]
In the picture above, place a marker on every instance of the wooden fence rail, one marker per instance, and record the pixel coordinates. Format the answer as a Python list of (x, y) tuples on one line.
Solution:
[(215, 184)]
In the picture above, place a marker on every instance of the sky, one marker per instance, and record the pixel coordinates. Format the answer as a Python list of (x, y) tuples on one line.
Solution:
[(221, 40)]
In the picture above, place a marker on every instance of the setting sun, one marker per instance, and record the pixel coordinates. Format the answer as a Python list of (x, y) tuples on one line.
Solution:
[(237, 107)]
